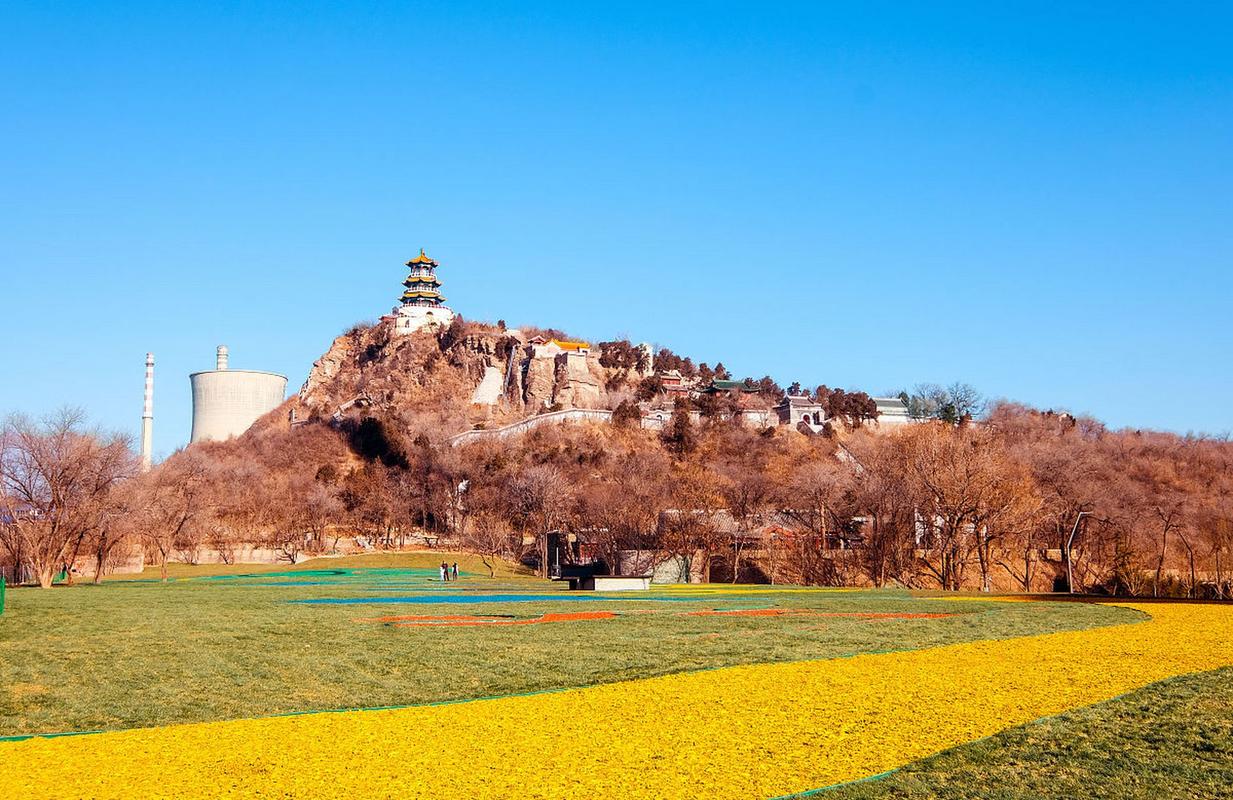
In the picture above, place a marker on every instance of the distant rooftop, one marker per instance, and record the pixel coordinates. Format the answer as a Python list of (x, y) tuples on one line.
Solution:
[(729, 386), (890, 405)]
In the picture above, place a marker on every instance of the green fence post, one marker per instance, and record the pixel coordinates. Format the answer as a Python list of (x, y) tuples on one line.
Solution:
[(1, 594)]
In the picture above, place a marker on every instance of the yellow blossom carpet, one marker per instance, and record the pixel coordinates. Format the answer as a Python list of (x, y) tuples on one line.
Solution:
[(742, 732)]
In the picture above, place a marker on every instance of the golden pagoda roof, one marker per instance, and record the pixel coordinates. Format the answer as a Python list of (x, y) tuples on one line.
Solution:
[(411, 279), (422, 259), (431, 294)]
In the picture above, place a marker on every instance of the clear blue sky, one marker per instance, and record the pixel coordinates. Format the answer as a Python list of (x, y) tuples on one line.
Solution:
[(1038, 202)]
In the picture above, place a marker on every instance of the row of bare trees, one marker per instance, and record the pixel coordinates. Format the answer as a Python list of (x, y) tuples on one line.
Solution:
[(1022, 500), (71, 496)]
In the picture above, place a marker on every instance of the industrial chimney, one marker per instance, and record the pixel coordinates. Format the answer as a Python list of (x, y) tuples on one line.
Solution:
[(147, 416), (220, 358)]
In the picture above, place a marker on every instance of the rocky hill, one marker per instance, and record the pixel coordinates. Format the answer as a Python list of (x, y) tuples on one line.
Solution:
[(468, 375)]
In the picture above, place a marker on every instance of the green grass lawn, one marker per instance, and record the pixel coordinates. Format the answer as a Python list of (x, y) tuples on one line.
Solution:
[(1172, 739), (427, 559), (219, 643)]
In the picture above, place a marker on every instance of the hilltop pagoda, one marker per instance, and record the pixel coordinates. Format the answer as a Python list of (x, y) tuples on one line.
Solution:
[(422, 305)]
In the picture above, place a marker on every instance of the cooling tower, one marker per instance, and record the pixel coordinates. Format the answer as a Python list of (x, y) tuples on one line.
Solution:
[(227, 401)]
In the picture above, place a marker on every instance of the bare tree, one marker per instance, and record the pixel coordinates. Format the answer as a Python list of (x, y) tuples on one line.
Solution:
[(541, 499), (878, 493), (173, 510), (746, 488), (115, 533), (969, 492), (244, 508), (618, 509), (952, 403), (689, 528), (486, 530), (56, 482), (316, 510)]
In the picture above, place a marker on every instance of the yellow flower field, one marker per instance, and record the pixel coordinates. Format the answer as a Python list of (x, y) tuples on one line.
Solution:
[(742, 732)]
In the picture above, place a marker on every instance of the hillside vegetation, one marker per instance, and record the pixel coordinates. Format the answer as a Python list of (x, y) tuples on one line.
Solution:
[(360, 461)]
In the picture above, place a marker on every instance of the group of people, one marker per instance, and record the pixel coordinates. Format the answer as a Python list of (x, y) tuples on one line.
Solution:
[(448, 572)]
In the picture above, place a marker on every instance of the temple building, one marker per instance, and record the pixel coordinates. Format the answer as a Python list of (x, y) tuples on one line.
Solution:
[(729, 388), (422, 304), (797, 410), (674, 384), (543, 347), (892, 411)]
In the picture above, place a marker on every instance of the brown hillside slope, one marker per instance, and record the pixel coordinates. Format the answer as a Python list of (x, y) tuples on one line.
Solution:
[(426, 382)]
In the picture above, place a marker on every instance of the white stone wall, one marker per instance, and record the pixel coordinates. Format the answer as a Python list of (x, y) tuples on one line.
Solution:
[(664, 567), (891, 412), (652, 420), (550, 418), (409, 319), (759, 418)]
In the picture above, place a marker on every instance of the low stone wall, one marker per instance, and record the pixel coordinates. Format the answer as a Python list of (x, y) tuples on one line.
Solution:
[(663, 567), (654, 420), (241, 554), (565, 416)]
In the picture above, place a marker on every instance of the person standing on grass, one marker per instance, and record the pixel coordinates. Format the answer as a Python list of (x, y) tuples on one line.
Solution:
[(454, 575), (445, 573)]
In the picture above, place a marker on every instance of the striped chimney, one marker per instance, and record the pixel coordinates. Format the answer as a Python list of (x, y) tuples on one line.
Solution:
[(147, 416)]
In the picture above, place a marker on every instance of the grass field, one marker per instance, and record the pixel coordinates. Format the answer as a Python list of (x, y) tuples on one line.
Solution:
[(236, 643), (1173, 739)]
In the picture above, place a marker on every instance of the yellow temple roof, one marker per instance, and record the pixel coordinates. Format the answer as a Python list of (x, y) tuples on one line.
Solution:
[(570, 345), (422, 258)]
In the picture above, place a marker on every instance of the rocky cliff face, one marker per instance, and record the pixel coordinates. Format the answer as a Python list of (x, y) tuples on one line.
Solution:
[(582, 382), (449, 381)]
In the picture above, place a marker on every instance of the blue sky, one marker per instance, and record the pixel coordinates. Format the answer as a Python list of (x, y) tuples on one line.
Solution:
[(1037, 202)]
